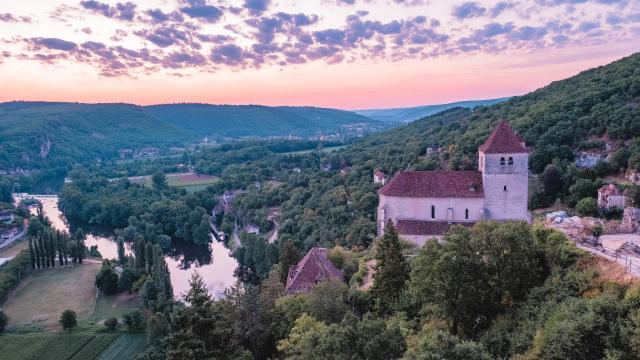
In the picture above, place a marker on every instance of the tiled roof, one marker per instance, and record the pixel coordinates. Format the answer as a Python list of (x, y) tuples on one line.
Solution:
[(435, 184), (426, 227), (379, 174), (503, 140), (609, 189), (312, 269)]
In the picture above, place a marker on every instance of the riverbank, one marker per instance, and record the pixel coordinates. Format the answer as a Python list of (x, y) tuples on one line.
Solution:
[(214, 262)]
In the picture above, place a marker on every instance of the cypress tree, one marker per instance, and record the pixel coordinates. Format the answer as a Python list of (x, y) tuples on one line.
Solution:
[(32, 254), (51, 248), (43, 251), (65, 248), (46, 252), (168, 288), (148, 255), (156, 268), (59, 237), (36, 250), (80, 236), (392, 270), (79, 250), (139, 252), (121, 254)]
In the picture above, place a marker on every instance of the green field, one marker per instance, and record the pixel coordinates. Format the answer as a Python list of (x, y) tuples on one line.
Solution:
[(39, 346), (186, 181), (115, 306), (125, 347)]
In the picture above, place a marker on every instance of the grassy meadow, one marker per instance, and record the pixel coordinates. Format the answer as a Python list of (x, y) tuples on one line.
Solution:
[(115, 305), (44, 294), (188, 181)]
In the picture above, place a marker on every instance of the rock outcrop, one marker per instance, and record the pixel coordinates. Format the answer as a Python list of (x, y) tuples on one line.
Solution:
[(631, 220)]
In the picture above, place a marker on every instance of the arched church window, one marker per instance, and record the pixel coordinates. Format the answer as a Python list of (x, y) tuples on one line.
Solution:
[(501, 161), (510, 160), (433, 211), (505, 188), (466, 214)]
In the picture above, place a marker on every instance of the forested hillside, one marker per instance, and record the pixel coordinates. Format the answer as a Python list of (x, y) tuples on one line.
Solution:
[(49, 135), (603, 102), (414, 113), (43, 135), (258, 121)]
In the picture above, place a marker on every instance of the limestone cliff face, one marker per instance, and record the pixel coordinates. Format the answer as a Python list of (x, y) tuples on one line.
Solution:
[(45, 147)]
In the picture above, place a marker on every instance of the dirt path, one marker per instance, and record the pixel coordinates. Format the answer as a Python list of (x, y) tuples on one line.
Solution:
[(367, 282)]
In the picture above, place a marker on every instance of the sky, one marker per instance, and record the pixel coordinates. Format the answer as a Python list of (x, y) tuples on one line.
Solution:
[(350, 54)]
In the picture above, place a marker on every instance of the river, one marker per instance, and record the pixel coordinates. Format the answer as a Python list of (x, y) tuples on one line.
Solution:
[(214, 263)]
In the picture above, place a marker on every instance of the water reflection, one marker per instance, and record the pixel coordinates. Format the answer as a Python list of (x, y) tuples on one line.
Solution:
[(214, 262)]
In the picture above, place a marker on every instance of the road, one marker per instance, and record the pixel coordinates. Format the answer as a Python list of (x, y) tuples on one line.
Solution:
[(18, 236)]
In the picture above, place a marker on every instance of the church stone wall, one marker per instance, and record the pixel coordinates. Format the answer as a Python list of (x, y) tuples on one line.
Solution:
[(419, 208), (506, 187)]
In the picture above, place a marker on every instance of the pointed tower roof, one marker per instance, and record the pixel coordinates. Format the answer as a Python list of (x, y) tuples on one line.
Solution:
[(503, 140)]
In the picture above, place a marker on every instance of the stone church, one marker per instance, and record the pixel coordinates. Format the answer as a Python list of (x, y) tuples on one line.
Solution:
[(425, 204)]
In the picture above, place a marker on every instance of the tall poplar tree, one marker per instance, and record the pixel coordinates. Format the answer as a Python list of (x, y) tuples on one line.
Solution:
[(139, 249), (148, 255), (32, 254), (43, 250), (36, 251), (80, 244), (59, 246)]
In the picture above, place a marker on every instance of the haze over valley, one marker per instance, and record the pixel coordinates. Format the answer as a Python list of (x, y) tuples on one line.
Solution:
[(258, 179)]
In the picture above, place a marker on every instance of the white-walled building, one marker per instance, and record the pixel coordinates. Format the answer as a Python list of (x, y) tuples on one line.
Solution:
[(379, 177), (610, 196), (425, 204)]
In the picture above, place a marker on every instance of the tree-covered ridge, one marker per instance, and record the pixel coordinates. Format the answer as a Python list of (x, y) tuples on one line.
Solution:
[(418, 112), (563, 116), (50, 135), (258, 121)]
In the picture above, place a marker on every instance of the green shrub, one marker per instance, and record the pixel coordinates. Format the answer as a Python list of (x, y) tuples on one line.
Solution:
[(632, 297), (134, 320), (68, 320), (587, 207), (111, 323)]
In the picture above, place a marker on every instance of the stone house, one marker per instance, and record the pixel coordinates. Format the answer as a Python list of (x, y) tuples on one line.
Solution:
[(425, 204), (610, 196), (379, 177)]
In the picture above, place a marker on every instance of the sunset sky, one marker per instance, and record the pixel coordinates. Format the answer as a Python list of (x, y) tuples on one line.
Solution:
[(350, 54)]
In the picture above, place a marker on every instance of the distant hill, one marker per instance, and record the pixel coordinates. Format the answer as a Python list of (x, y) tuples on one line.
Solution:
[(417, 112), (557, 120), (40, 134), (258, 121)]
